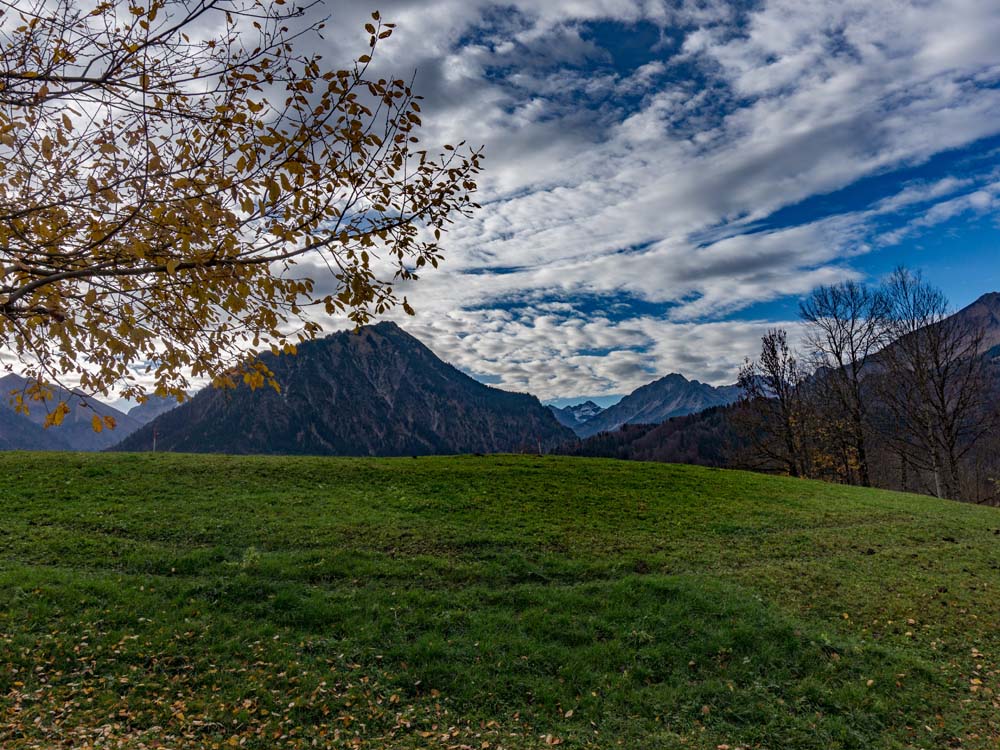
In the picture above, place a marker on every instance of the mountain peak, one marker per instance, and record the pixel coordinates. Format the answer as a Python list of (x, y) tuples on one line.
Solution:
[(984, 313), (384, 326), (672, 395), (575, 415), (375, 391)]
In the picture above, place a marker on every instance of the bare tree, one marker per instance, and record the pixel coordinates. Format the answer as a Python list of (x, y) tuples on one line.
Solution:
[(773, 416), (847, 323), (934, 383)]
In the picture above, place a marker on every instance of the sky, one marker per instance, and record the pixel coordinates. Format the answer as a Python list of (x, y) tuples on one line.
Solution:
[(664, 181)]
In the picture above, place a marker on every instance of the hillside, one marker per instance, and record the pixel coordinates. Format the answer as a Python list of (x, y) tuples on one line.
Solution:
[(154, 407), (706, 438), (17, 432), (378, 392), (671, 396), (516, 602), (984, 313), (75, 432)]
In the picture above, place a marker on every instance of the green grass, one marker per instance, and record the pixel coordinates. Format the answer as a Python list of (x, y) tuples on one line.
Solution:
[(492, 602)]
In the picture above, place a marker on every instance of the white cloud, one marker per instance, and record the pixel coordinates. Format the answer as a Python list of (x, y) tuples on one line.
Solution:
[(651, 183), (554, 355), (658, 197)]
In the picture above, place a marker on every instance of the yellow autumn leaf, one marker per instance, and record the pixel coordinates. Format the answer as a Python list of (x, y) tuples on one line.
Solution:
[(192, 174), (55, 417)]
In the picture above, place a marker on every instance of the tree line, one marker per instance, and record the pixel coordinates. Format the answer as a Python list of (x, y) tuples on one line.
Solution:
[(889, 390)]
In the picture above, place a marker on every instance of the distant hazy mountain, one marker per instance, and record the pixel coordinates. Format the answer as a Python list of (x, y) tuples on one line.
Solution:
[(574, 416), (154, 407), (378, 392), (20, 432), (670, 396)]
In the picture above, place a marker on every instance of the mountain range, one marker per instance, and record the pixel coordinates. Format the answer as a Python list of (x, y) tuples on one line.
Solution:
[(377, 392), (151, 409), (76, 433), (576, 415), (382, 392), (670, 396), (708, 437)]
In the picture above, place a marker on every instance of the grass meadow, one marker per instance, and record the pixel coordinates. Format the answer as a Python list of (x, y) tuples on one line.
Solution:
[(177, 601)]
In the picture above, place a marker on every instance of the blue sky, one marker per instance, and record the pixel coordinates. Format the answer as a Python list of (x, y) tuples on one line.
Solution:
[(665, 180)]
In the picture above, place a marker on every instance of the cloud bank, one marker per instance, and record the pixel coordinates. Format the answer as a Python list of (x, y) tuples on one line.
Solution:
[(659, 175)]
